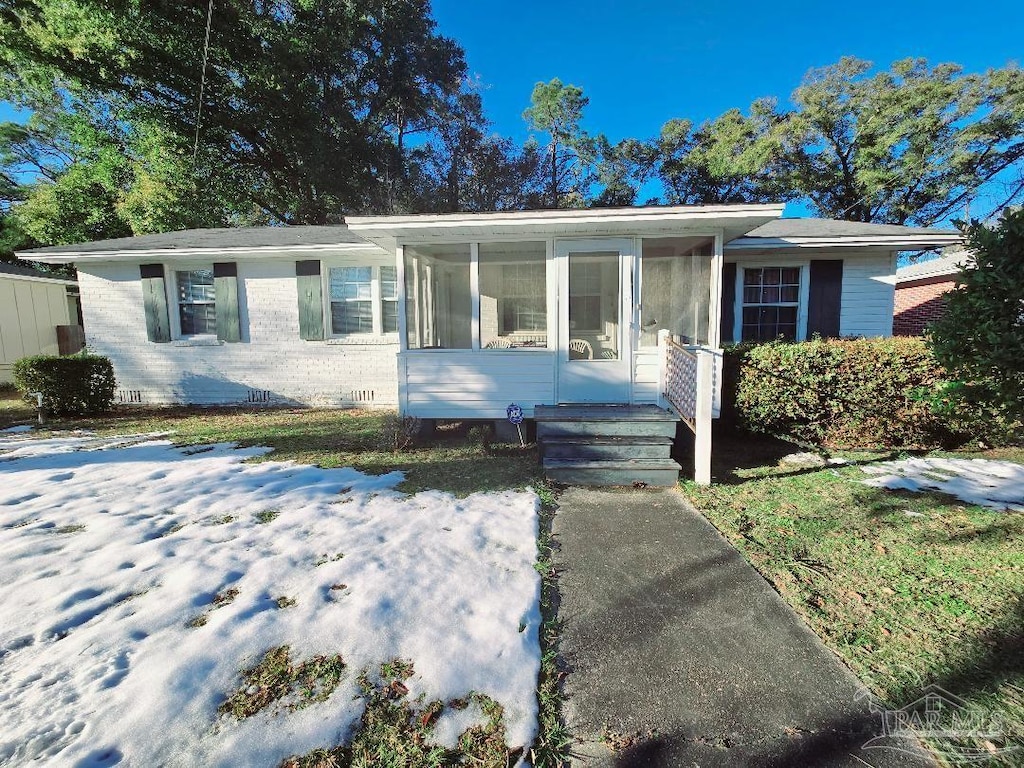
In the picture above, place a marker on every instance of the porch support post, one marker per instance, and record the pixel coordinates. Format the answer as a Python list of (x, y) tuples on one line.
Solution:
[(702, 418), (403, 321), (474, 293), (715, 303), (403, 325), (663, 337), (551, 287)]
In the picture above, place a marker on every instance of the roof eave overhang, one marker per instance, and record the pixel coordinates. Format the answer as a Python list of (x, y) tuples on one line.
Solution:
[(389, 231), (38, 279), (892, 242), (943, 276), (171, 254)]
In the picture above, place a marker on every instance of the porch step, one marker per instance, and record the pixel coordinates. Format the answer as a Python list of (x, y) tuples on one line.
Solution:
[(549, 429), (607, 444), (653, 472), (619, 448)]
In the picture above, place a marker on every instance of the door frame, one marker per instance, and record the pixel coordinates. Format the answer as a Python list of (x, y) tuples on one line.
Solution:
[(621, 368)]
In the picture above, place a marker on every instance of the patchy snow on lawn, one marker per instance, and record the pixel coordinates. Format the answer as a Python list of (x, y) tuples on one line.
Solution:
[(987, 483), (109, 547)]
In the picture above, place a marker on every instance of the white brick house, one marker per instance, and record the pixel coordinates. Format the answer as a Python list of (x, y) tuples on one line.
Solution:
[(457, 315)]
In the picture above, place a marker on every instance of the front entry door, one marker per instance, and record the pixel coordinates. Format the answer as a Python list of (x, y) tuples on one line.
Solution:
[(595, 309)]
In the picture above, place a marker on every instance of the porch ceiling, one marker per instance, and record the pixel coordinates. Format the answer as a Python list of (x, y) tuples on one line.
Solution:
[(734, 220)]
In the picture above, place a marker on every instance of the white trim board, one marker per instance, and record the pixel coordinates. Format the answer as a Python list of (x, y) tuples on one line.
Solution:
[(156, 254), (898, 242), (802, 310)]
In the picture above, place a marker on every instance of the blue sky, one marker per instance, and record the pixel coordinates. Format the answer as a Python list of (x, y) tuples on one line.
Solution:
[(644, 62)]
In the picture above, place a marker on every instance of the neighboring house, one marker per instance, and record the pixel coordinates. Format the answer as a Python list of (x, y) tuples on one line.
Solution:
[(920, 292), (39, 314), (459, 315)]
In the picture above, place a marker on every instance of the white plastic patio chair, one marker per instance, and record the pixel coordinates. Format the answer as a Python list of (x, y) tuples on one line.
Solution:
[(580, 349)]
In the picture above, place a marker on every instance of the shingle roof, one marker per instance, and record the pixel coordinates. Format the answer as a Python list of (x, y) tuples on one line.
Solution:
[(214, 239), (785, 228), (944, 265), (297, 236)]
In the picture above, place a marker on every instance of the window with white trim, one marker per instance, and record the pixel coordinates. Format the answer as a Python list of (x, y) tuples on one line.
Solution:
[(197, 305), (351, 300), (771, 303), (389, 299), (363, 300)]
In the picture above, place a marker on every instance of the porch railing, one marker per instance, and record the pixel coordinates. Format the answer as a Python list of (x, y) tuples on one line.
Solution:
[(681, 366), (690, 381)]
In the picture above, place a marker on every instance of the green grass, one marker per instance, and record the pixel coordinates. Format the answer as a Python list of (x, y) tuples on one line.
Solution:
[(277, 680), (910, 589), (554, 742), (266, 516), (14, 410), (394, 732)]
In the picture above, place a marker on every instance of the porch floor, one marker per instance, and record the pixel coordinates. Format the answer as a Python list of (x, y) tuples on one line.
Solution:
[(599, 412)]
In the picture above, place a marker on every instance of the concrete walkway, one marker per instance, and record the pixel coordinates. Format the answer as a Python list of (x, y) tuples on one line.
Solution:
[(681, 654)]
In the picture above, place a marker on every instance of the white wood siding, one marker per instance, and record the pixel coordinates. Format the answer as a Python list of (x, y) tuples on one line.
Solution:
[(869, 284), (869, 289), (30, 312), (646, 373), (478, 385), (270, 359)]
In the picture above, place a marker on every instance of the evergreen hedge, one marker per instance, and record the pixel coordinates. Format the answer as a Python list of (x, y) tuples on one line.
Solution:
[(855, 393), (74, 385)]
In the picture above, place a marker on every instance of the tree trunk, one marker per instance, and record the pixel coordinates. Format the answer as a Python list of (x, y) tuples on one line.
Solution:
[(453, 184), (554, 174)]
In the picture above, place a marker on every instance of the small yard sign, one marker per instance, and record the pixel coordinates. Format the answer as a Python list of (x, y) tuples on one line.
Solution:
[(515, 415)]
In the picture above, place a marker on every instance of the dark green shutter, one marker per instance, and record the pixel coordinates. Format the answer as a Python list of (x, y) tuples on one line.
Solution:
[(154, 300), (311, 300), (824, 299), (225, 286), (728, 303)]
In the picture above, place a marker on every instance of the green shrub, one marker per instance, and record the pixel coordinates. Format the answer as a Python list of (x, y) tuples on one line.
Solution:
[(973, 413), (980, 337), (842, 393), (72, 386)]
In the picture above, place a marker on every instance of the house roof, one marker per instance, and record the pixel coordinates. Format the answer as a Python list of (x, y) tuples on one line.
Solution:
[(746, 227), (735, 220), (944, 266), (828, 233), (198, 242), (31, 273)]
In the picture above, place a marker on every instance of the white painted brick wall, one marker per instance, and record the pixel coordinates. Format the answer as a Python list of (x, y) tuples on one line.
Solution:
[(271, 356)]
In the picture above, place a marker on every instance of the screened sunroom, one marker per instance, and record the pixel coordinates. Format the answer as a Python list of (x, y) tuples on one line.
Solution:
[(552, 307)]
